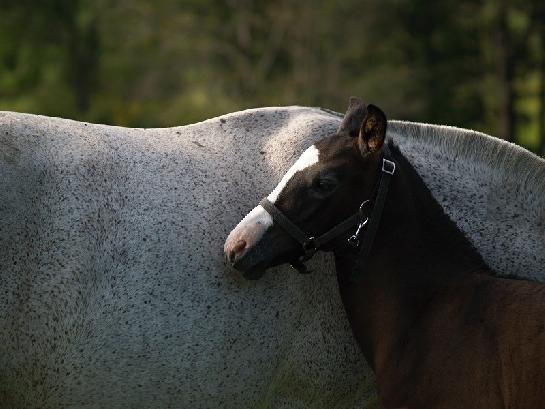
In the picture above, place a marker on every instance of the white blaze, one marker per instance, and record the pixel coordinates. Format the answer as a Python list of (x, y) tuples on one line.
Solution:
[(256, 223), (308, 158)]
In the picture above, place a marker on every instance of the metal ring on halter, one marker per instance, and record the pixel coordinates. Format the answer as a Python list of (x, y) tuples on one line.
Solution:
[(362, 206)]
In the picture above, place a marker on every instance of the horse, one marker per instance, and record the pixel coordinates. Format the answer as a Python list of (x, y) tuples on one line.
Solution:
[(114, 291), (438, 327)]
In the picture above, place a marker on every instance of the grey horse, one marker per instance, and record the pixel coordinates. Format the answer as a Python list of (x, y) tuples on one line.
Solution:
[(115, 293)]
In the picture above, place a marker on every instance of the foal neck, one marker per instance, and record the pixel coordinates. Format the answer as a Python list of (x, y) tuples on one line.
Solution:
[(417, 252)]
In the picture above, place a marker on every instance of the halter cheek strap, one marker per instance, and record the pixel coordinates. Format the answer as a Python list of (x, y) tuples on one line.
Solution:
[(367, 225), (388, 170)]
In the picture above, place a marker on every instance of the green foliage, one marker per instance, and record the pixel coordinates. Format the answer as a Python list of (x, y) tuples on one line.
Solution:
[(163, 63)]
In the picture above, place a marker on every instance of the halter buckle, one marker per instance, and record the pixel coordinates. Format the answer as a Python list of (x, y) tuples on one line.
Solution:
[(388, 166)]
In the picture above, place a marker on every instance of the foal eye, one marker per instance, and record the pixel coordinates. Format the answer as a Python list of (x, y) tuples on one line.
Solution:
[(325, 185)]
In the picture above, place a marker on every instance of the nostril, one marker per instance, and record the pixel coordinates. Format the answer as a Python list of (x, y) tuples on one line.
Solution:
[(237, 250)]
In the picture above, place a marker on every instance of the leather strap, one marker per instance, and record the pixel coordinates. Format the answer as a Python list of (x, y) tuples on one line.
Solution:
[(284, 222), (308, 242), (339, 229), (388, 169)]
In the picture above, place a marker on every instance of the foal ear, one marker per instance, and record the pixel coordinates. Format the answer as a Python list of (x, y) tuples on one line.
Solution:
[(372, 131), (353, 118)]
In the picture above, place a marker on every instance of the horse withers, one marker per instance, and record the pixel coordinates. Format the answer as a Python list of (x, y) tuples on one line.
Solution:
[(439, 329)]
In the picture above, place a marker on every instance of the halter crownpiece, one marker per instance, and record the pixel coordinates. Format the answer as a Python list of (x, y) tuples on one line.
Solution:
[(370, 223)]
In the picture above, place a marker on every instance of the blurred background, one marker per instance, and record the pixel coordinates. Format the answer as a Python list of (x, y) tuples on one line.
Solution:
[(473, 64)]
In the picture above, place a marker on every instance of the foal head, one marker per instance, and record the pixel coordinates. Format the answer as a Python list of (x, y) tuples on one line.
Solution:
[(325, 186)]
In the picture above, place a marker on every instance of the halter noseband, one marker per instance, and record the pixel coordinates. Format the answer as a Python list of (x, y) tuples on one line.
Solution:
[(370, 223)]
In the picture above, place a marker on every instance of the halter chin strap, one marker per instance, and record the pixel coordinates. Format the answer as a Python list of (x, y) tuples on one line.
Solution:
[(366, 224)]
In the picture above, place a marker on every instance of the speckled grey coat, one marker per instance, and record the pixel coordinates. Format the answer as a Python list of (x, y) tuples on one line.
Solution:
[(114, 293)]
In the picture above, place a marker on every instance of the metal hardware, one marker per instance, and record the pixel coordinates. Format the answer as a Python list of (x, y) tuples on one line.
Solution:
[(362, 207), (354, 240), (388, 166)]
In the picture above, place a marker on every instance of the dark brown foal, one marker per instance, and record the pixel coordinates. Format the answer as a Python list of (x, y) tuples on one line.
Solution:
[(438, 329)]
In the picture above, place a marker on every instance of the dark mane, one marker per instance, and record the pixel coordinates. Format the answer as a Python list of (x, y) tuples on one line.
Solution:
[(492, 189), (436, 220)]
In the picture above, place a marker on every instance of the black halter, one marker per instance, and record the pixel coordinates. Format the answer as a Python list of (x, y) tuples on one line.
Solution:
[(363, 219)]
